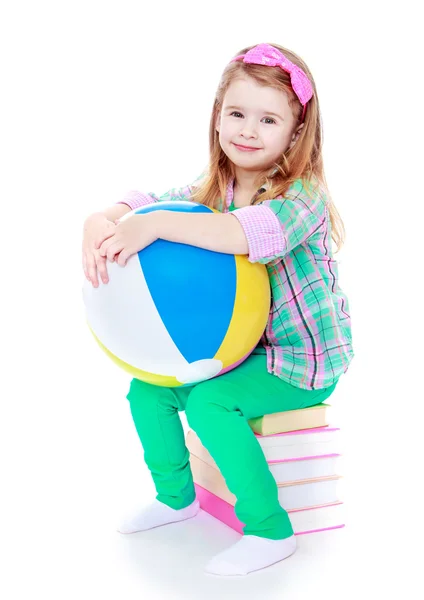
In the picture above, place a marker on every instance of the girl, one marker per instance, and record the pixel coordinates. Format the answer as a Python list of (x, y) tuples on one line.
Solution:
[(265, 177)]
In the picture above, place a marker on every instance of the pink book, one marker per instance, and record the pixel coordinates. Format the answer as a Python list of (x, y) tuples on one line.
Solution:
[(306, 520)]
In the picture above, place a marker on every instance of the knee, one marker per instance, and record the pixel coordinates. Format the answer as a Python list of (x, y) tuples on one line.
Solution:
[(201, 405), (139, 391), (144, 394)]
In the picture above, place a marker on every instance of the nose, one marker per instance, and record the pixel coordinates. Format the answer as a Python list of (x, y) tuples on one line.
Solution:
[(248, 129)]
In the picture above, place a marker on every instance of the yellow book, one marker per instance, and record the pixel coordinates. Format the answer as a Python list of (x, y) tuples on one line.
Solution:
[(291, 420)]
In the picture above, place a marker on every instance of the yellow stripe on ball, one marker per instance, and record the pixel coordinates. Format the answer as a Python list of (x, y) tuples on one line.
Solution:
[(250, 313), (153, 378)]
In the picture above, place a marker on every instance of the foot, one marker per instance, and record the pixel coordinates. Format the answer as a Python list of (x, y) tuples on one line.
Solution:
[(251, 553), (155, 515)]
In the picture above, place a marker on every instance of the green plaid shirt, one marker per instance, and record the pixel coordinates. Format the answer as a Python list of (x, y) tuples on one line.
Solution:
[(308, 338)]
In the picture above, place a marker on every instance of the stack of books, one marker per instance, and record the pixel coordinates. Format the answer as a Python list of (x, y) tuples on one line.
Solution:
[(303, 454)]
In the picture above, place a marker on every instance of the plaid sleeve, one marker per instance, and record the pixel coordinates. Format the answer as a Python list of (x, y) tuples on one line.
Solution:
[(135, 199), (274, 227)]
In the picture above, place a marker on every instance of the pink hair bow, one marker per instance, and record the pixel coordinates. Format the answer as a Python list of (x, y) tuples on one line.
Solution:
[(264, 54)]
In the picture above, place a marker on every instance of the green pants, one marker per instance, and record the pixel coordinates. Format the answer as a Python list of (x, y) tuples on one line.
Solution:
[(218, 411)]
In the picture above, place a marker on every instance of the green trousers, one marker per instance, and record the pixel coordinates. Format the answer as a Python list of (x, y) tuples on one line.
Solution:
[(218, 411)]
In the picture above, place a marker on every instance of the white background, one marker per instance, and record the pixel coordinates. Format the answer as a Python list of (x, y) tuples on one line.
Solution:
[(98, 98)]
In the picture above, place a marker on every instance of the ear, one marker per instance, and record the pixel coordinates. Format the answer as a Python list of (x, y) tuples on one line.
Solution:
[(295, 136), (218, 121)]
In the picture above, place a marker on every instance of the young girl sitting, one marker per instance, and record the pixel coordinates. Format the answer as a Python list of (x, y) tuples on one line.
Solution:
[(265, 177)]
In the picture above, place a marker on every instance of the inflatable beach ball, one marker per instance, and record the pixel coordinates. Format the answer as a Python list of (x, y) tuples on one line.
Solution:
[(176, 314)]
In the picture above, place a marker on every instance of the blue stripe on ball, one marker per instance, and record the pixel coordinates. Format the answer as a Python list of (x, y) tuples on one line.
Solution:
[(197, 307)]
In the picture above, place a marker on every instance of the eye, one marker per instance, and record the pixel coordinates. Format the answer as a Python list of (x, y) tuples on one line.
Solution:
[(268, 118)]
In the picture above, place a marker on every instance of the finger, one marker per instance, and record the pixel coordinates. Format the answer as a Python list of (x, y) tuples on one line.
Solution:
[(102, 269), (105, 235), (113, 249), (104, 247), (92, 269), (123, 257), (84, 265)]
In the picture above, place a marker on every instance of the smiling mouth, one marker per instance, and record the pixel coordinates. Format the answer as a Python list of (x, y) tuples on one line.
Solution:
[(246, 147)]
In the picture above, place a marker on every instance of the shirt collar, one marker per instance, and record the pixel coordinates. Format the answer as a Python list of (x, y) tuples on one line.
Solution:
[(230, 189)]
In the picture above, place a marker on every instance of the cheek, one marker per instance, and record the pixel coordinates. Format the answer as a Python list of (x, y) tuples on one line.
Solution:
[(221, 140), (226, 134), (278, 142)]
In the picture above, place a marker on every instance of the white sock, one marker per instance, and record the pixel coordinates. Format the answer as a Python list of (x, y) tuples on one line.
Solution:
[(155, 515), (251, 553)]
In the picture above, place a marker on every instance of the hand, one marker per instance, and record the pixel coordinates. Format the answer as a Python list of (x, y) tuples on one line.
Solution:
[(96, 227), (130, 236)]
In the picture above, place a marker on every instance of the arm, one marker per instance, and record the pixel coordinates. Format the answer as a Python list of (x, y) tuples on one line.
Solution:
[(217, 231), (101, 226), (265, 232), (111, 214), (134, 199), (116, 212), (275, 227)]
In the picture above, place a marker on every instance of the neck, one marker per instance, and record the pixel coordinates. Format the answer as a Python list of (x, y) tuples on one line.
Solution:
[(245, 184), (245, 180)]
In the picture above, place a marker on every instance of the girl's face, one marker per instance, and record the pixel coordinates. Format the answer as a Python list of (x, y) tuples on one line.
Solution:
[(257, 117)]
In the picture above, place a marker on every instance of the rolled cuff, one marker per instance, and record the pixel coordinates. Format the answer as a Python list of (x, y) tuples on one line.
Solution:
[(263, 232), (135, 199)]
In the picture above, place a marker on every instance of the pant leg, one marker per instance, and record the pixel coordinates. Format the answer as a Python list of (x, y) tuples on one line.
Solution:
[(218, 411), (155, 413)]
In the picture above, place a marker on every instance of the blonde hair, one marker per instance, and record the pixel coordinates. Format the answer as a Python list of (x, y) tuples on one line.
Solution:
[(302, 161)]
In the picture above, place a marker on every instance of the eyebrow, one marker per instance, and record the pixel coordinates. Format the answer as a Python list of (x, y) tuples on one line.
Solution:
[(267, 112)]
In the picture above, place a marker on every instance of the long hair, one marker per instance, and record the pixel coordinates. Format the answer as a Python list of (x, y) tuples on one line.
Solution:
[(302, 161)]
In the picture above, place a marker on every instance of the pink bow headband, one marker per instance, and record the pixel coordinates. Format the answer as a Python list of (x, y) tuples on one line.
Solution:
[(264, 54)]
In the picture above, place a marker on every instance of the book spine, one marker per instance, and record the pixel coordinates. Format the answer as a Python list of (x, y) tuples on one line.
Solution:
[(224, 512)]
